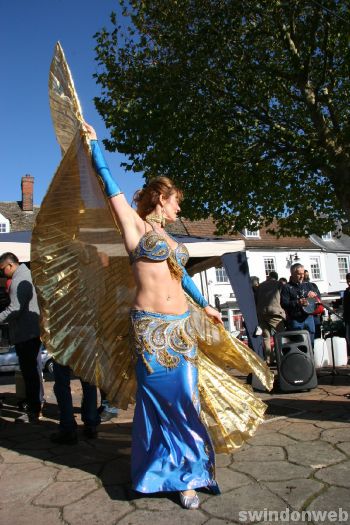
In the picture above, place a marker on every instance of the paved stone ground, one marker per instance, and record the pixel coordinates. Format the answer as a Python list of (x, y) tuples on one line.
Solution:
[(298, 461)]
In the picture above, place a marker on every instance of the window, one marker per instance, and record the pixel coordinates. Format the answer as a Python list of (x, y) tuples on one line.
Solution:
[(221, 275), (315, 268), (343, 265), (270, 266), (4, 224), (327, 236), (251, 233)]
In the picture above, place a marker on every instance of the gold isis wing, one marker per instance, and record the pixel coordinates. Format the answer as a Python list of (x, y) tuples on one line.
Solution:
[(80, 267)]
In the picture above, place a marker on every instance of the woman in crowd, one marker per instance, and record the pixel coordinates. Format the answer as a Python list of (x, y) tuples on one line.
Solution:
[(171, 448)]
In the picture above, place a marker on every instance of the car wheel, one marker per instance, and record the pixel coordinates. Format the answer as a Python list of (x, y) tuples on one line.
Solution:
[(49, 367)]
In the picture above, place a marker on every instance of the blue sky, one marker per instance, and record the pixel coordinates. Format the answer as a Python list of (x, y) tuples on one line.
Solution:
[(29, 31)]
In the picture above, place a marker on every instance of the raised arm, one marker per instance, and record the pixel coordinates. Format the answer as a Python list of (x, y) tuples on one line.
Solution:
[(110, 186), (127, 218)]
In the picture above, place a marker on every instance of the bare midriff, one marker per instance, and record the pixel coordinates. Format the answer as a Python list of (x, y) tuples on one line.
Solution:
[(156, 290)]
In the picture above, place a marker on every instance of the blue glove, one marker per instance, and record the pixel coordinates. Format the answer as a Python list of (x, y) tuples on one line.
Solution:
[(111, 188), (192, 290)]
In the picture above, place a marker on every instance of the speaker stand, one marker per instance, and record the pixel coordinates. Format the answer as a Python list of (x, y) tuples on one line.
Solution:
[(333, 372)]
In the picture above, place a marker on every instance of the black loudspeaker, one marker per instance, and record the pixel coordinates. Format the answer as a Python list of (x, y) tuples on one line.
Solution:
[(295, 361)]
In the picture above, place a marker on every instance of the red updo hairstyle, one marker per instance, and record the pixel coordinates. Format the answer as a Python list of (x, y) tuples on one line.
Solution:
[(147, 198)]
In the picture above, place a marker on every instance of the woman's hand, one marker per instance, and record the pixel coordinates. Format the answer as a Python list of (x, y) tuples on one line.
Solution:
[(91, 133), (213, 314)]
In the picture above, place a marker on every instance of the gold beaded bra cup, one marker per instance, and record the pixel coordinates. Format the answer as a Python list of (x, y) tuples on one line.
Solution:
[(154, 246)]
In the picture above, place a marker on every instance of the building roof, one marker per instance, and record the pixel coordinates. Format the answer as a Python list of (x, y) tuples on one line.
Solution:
[(24, 221), (335, 245), (19, 220), (177, 228), (206, 228)]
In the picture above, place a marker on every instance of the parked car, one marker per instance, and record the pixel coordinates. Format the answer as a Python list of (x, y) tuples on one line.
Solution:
[(9, 359)]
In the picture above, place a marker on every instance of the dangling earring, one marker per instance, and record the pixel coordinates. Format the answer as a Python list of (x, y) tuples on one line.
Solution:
[(163, 221), (154, 217)]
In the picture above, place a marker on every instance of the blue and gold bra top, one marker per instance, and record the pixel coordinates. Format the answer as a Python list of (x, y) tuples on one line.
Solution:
[(154, 246)]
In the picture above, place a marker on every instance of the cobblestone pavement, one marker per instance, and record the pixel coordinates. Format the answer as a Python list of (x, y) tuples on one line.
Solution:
[(298, 461)]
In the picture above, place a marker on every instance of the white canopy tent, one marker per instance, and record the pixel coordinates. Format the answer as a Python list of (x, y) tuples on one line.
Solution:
[(17, 243), (206, 253)]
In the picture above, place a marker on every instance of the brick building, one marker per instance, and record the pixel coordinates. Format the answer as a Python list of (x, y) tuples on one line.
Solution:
[(19, 215)]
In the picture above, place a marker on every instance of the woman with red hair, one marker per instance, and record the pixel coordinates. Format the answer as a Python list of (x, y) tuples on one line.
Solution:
[(171, 448)]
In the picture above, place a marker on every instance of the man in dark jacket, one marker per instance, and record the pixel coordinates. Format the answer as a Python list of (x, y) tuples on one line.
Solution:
[(22, 316), (294, 300)]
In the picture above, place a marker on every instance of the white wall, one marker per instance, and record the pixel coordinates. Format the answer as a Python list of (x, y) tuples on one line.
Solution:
[(282, 264), (209, 287), (329, 279), (333, 276)]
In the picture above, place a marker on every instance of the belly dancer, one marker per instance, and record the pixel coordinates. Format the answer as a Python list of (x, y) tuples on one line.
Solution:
[(171, 448)]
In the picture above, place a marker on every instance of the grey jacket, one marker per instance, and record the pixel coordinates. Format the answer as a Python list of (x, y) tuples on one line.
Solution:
[(22, 314), (268, 303)]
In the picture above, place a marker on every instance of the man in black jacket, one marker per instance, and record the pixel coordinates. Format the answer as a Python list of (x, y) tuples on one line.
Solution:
[(294, 299)]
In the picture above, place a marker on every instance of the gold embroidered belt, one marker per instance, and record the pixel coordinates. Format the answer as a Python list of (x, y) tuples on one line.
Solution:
[(166, 337)]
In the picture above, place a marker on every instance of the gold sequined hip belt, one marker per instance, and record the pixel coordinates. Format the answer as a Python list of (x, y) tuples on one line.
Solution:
[(166, 337)]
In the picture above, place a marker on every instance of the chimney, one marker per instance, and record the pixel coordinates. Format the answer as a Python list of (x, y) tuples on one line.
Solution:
[(27, 193)]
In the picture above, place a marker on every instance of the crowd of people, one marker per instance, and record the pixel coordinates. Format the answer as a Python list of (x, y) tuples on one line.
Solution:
[(294, 304)]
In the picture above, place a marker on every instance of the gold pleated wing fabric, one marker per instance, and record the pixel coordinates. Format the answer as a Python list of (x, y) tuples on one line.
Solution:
[(80, 267), (65, 107), (229, 409)]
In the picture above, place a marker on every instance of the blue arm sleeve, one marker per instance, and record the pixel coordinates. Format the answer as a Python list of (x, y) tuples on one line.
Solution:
[(111, 188), (192, 290)]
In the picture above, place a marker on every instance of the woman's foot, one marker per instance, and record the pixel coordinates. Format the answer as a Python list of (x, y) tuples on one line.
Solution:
[(189, 499)]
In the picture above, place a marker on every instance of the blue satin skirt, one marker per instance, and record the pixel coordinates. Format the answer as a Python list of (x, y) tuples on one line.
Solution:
[(171, 448)]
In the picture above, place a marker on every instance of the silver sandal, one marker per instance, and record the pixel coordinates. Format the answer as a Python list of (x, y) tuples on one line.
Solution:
[(189, 502)]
